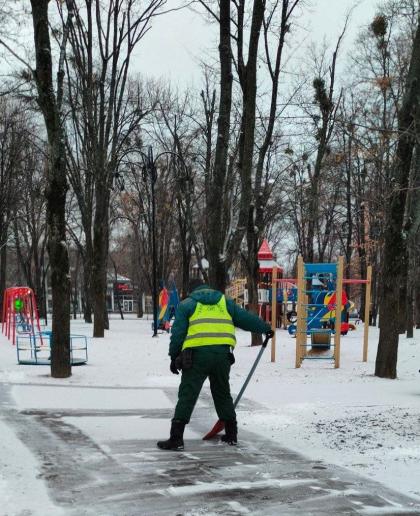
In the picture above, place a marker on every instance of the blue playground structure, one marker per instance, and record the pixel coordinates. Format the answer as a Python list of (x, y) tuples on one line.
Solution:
[(321, 303), (309, 304), (35, 349), (291, 295), (22, 324), (320, 308)]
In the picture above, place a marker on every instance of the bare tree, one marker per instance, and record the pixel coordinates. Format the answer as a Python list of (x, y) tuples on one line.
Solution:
[(103, 117), (29, 221), (395, 246), (262, 184), (217, 226), (324, 125), (176, 127), (50, 103), (135, 207), (381, 64), (11, 135), (414, 235)]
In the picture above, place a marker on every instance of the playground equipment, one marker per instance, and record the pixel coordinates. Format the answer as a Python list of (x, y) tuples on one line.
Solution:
[(236, 291), (314, 303), (36, 349), (317, 309), (321, 312), (267, 264), (20, 313), (238, 288), (21, 325), (286, 295), (168, 303)]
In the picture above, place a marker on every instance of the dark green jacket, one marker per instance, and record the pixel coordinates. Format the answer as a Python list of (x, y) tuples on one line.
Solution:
[(207, 296)]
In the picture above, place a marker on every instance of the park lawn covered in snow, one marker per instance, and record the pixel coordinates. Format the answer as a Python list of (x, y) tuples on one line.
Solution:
[(343, 416)]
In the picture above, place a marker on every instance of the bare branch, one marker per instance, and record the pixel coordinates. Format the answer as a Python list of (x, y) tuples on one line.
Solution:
[(16, 56)]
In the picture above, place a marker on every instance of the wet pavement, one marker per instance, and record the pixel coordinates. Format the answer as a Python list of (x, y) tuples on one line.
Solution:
[(99, 462)]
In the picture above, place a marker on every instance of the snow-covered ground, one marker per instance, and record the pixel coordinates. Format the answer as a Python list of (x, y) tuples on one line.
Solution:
[(343, 416)]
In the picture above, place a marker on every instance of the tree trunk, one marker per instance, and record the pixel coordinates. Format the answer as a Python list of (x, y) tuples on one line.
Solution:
[(252, 285), (349, 216), (185, 218), (140, 305), (100, 260), (414, 246), (410, 310), (186, 262), (215, 195), (401, 314), (56, 190), (59, 264), (44, 291), (375, 291), (3, 264), (363, 264), (39, 292), (417, 300), (252, 267), (87, 291), (248, 81), (106, 316), (395, 245), (120, 307)]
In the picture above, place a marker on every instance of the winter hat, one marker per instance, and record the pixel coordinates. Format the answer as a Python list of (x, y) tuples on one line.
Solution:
[(194, 283)]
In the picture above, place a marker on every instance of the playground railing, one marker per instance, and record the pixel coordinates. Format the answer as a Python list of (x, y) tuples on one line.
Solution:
[(35, 349)]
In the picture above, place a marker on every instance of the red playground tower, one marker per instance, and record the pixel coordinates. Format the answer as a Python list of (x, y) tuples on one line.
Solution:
[(20, 312), (266, 265)]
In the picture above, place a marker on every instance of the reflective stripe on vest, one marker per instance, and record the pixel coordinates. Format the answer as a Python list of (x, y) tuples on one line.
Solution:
[(210, 325)]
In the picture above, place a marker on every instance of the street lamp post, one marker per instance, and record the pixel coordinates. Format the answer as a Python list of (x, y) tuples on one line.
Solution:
[(150, 171)]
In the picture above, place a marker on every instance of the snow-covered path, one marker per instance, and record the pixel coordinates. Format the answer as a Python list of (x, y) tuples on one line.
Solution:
[(104, 461), (86, 445)]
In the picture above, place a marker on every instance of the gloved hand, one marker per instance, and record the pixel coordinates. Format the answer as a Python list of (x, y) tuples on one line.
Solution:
[(173, 367), (270, 334)]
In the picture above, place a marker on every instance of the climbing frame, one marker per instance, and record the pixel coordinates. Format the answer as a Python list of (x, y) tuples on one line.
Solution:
[(309, 312)]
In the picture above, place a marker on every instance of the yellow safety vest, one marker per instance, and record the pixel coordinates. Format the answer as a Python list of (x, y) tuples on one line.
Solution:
[(210, 325)]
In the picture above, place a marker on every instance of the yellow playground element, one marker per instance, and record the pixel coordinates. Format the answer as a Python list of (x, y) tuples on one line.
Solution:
[(236, 290)]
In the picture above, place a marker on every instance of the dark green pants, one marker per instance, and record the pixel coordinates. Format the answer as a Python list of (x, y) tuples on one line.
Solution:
[(210, 362)]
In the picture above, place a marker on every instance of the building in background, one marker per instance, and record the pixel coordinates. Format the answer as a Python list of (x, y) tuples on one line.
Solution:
[(120, 292)]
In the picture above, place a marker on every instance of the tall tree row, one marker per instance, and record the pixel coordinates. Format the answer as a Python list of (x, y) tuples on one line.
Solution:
[(316, 163)]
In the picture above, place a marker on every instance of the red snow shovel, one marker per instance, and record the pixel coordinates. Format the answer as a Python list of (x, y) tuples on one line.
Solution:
[(220, 425)]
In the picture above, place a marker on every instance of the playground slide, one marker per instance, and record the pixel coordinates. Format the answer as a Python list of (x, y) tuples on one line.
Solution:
[(323, 311), (168, 303)]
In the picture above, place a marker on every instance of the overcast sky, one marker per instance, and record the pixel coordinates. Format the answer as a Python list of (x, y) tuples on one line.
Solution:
[(178, 40)]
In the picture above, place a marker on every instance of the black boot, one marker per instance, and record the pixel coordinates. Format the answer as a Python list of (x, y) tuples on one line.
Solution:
[(231, 436), (175, 441)]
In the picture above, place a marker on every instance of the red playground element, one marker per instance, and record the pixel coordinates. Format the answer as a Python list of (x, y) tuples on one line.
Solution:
[(20, 312), (266, 261), (266, 264)]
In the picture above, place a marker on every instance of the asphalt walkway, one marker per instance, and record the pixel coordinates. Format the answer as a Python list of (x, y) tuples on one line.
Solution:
[(100, 462)]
